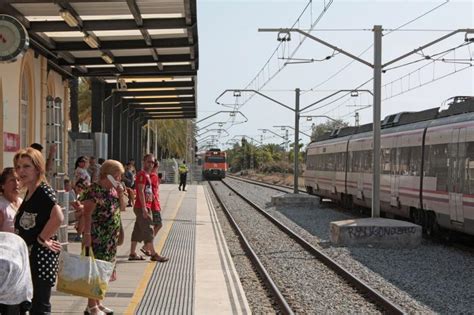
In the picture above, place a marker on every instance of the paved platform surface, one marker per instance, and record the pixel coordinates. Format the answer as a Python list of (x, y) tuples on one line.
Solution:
[(199, 278)]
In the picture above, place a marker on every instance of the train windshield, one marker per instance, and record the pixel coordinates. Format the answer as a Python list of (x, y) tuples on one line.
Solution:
[(215, 159)]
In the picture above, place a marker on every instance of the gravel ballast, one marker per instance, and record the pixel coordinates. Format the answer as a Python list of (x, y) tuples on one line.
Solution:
[(432, 278)]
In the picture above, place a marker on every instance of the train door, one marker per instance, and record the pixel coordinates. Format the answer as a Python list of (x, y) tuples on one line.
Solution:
[(456, 173), (395, 173), (356, 169)]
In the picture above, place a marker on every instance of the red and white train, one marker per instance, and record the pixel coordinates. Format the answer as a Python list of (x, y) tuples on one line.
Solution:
[(427, 166)]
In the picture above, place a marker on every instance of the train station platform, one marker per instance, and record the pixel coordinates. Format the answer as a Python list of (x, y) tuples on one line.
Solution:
[(199, 278)]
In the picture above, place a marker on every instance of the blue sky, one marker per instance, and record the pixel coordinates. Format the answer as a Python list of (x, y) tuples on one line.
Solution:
[(232, 51)]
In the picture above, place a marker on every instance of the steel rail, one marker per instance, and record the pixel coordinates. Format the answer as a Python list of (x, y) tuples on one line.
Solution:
[(284, 306), (267, 185), (360, 284)]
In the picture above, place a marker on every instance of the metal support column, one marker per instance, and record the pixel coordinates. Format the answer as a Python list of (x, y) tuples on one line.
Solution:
[(116, 128), (74, 110), (376, 117), (130, 133), (124, 132), (297, 140)]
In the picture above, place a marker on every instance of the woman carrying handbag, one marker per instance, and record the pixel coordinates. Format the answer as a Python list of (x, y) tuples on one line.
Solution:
[(102, 203)]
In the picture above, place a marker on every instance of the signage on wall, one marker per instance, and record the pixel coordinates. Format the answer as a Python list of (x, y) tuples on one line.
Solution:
[(14, 40), (11, 142)]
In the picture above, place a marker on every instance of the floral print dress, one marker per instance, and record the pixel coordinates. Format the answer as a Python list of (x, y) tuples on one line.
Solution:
[(105, 225)]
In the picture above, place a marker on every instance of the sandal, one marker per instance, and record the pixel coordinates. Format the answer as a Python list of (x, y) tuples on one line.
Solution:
[(106, 310), (159, 258), (135, 257), (145, 252)]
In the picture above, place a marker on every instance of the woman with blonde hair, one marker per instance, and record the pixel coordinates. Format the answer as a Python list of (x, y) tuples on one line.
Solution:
[(37, 221), (9, 199), (102, 203)]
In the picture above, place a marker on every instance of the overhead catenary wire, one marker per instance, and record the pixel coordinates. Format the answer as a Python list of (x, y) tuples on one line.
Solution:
[(256, 78), (433, 58), (464, 61), (368, 48)]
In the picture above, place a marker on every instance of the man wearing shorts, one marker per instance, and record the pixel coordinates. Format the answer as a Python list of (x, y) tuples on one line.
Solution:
[(142, 231), (155, 204)]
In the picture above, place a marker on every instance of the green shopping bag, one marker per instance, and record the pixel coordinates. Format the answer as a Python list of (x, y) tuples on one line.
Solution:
[(83, 275)]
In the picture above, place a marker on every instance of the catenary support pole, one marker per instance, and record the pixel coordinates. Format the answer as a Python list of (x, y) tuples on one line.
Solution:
[(297, 136), (376, 117)]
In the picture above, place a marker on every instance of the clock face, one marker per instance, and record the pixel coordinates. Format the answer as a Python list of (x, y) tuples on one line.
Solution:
[(13, 38)]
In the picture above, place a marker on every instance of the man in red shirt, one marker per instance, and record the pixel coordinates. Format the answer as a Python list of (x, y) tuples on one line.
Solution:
[(142, 231)]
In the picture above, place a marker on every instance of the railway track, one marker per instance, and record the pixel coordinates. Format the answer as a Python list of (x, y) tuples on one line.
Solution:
[(282, 188), (355, 294), (450, 239)]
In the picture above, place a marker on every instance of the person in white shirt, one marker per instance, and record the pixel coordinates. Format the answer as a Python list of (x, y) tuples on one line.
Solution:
[(9, 199), (16, 288)]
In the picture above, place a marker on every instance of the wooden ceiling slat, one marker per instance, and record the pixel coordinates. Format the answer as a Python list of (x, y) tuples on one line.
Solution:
[(140, 71), (158, 108), (108, 25), (155, 93), (162, 100), (171, 84), (130, 59), (185, 110), (125, 44)]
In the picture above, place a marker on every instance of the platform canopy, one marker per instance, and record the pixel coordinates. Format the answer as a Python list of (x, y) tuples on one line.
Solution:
[(147, 50)]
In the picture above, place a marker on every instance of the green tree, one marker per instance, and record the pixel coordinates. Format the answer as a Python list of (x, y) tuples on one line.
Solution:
[(84, 102), (171, 137), (328, 126)]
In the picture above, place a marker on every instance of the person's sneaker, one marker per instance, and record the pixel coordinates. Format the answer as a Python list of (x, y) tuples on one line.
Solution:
[(179, 188)]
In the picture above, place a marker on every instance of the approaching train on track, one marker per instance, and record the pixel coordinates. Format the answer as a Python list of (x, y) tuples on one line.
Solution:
[(215, 164), (427, 166)]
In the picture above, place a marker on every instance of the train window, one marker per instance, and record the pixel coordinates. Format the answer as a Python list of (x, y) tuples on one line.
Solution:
[(438, 165), (340, 161), (404, 166), (355, 161), (311, 162), (410, 161), (215, 159), (386, 155), (367, 161), (469, 169), (395, 161), (330, 162), (415, 161)]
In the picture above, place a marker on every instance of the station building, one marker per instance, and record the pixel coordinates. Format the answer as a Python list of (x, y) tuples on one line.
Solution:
[(140, 57)]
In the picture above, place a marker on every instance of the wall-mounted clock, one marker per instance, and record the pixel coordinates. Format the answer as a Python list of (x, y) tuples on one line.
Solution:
[(14, 38)]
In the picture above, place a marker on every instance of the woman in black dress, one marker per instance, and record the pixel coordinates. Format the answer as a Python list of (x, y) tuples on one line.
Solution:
[(37, 221)]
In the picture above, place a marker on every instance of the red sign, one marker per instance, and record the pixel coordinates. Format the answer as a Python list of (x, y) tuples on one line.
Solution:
[(11, 142)]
